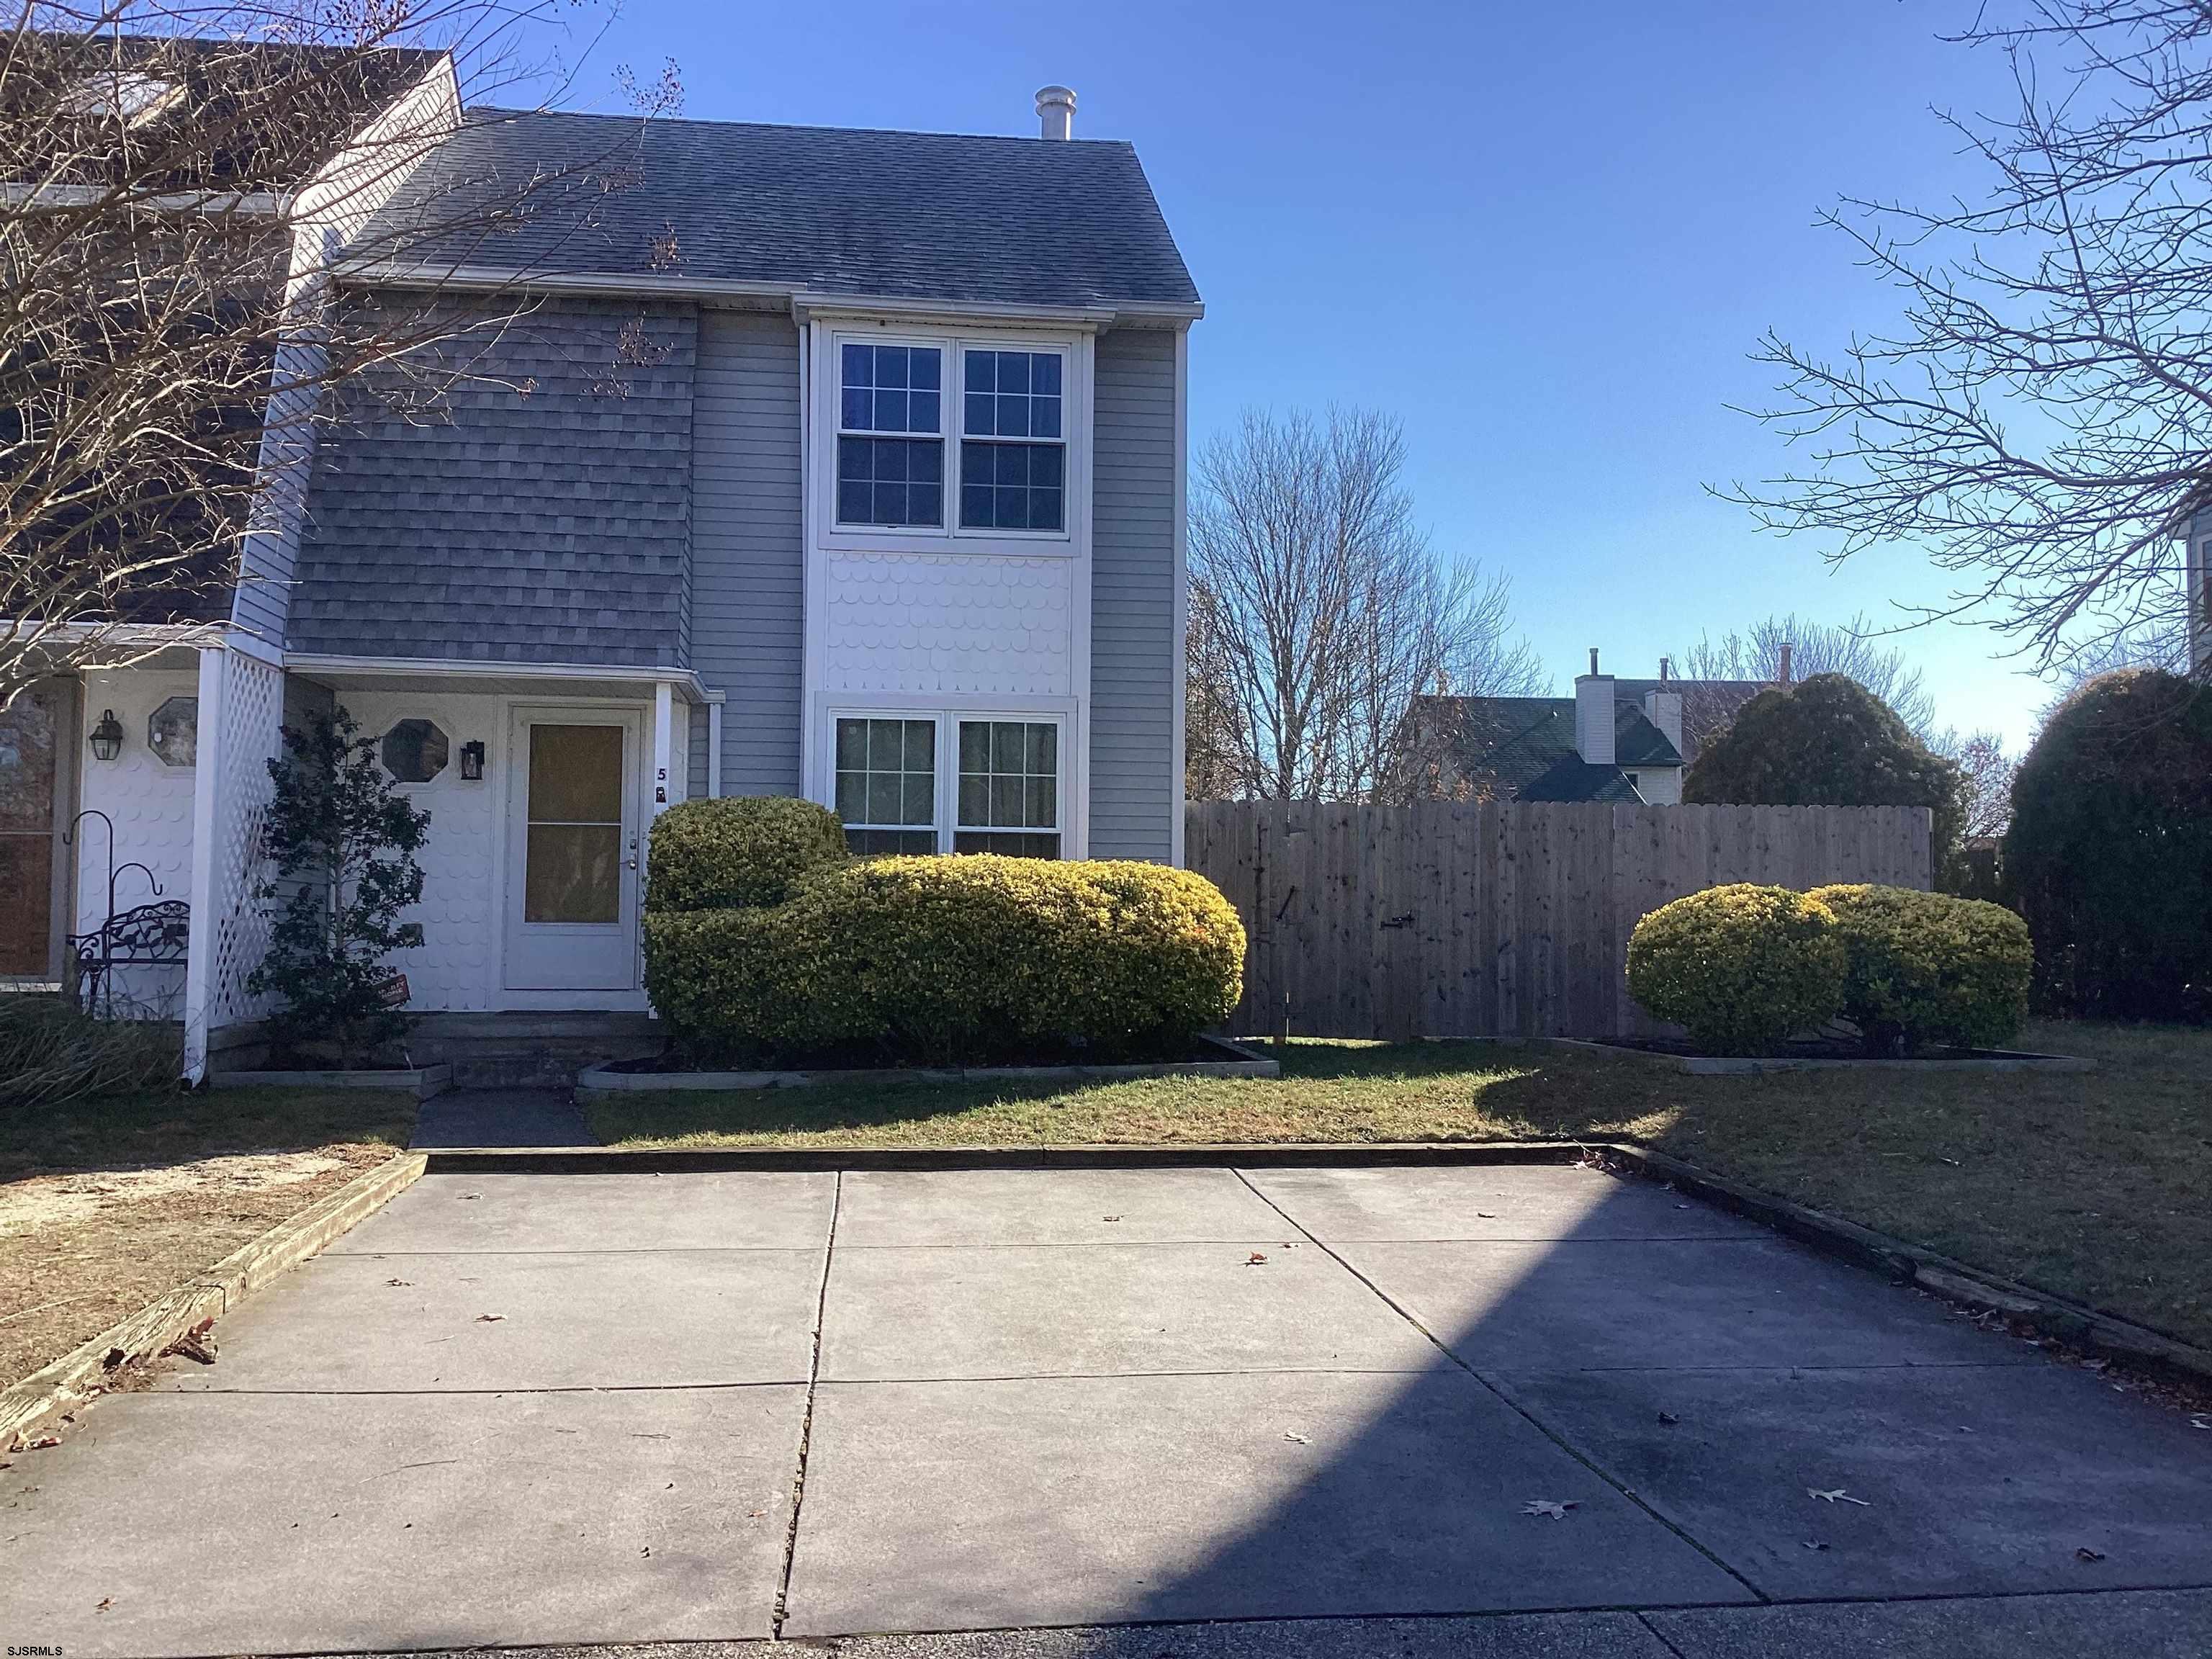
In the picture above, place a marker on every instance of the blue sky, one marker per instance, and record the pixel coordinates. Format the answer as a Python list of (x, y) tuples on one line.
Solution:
[(1544, 237)]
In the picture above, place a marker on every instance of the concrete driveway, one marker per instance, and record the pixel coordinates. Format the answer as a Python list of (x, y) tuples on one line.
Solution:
[(580, 1409)]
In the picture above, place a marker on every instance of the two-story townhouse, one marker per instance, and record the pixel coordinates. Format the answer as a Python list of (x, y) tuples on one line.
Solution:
[(842, 464)]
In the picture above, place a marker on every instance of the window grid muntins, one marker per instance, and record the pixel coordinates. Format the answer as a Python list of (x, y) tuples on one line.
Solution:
[(890, 480), (1009, 782), (887, 785), (1013, 457)]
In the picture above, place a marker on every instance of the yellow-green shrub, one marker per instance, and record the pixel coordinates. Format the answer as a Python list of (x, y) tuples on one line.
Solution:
[(939, 959), (1929, 968), (1743, 967), (738, 850)]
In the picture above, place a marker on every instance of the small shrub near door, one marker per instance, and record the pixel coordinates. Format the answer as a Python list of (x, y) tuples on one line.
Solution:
[(739, 851), (947, 959), (1744, 968), (1922, 968)]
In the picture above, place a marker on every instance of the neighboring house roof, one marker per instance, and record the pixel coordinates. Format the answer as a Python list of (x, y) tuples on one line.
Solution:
[(1526, 745), (1572, 778), (835, 211), (1707, 705)]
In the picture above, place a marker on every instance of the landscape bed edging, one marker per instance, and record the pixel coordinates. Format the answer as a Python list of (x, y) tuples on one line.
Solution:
[(421, 1082), (79, 1376), (596, 1080), (2003, 1060)]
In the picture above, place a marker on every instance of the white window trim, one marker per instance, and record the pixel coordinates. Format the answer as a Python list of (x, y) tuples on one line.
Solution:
[(948, 537), (946, 713)]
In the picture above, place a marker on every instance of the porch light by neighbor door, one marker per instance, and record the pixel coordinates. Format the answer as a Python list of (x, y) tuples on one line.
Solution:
[(107, 736), (472, 762)]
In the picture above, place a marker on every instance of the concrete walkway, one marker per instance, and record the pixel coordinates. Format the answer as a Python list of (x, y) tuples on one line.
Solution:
[(1064, 1409), (502, 1117)]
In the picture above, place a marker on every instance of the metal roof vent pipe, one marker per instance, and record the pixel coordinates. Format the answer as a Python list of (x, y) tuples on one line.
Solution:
[(1055, 107)]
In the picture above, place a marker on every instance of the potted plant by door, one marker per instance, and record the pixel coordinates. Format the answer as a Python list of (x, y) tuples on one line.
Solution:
[(341, 840)]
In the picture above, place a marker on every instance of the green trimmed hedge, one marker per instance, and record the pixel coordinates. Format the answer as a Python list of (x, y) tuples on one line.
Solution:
[(1744, 967), (946, 959), (738, 851), (1929, 968)]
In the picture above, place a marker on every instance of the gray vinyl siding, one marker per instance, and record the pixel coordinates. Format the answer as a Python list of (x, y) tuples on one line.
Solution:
[(542, 514), (1133, 598), (748, 592)]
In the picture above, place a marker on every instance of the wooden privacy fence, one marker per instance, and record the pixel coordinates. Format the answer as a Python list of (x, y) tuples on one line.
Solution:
[(1502, 919)]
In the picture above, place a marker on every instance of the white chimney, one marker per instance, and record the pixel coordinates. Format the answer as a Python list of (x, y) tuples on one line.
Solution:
[(1594, 715), (1055, 107), (1664, 710)]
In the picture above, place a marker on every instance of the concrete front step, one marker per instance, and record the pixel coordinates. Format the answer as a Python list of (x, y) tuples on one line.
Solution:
[(532, 1048)]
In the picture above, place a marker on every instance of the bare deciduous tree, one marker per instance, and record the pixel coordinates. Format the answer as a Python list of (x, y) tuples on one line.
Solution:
[(176, 181), (1984, 779), (2040, 420), (1321, 610), (1790, 647)]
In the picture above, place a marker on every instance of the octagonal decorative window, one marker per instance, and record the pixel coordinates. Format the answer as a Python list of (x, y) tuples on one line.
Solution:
[(415, 750), (173, 732)]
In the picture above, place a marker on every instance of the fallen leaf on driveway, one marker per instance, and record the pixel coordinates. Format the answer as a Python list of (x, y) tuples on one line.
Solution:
[(2200, 1423), (1668, 1418), (465, 1197), (1544, 1506), (1109, 1218), (489, 1319), (45, 1441), (105, 1602), (1293, 1436), (399, 1281), (1488, 1215), (1814, 1544), (1839, 1496), (2085, 1553), (1255, 1259)]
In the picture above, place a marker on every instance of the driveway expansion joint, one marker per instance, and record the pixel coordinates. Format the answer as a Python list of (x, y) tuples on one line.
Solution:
[(782, 1608)]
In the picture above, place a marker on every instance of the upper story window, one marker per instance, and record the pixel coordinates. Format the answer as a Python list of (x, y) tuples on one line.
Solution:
[(1013, 451), (890, 479)]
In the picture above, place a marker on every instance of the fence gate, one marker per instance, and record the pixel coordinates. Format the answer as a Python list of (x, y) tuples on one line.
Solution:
[(1502, 918)]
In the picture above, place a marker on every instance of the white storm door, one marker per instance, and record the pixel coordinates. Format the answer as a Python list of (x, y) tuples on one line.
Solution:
[(572, 850)]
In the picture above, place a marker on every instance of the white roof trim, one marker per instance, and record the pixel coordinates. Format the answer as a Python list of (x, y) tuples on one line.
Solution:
[(682, 679), (803, 302)]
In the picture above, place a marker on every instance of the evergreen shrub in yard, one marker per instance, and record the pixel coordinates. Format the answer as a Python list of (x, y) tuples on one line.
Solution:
[(2109, 855), (1744, 967), (1928, 968), (946, 959), (738, 851)]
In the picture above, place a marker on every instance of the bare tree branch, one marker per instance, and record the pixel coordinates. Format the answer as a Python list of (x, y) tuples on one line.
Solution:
[(176, 182), (1319, 609), (2040, 419)]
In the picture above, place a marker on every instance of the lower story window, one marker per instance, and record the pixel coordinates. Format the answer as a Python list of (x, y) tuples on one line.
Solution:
[(1001, 789), (1009, 788), (887, 785)]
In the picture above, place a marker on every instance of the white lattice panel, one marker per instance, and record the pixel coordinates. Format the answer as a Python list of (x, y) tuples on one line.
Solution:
[(252, 721), (950, 622)]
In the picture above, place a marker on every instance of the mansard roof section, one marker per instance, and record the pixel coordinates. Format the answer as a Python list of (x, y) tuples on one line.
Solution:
[(826, 212)]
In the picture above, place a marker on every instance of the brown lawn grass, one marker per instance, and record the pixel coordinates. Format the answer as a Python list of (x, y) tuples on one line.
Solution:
[(106, 1204), (2090, 1185)]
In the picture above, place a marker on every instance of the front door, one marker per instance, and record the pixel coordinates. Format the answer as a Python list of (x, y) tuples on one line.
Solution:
[(572, 850)]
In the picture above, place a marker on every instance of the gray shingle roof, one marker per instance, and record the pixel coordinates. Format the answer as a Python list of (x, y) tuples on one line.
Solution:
[(1573, 779), (1525, 746), (834, 210)]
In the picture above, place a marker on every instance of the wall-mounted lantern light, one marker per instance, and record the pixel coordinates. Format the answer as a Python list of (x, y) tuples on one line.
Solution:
[(472, 760), (107, 736)]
